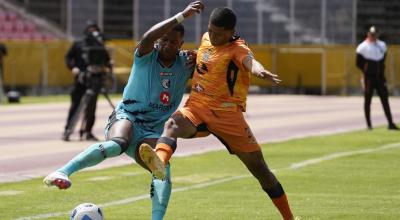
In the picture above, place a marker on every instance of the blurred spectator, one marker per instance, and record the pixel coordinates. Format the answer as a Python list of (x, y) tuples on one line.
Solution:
[(82, 58), (3, 52), (370, 59)]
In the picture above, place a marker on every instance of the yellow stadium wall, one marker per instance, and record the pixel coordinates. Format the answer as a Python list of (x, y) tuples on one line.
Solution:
[(39, 63), (28, 63)]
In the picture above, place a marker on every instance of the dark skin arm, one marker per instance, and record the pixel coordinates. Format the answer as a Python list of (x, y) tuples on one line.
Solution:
[(146, 45), (259, 71)]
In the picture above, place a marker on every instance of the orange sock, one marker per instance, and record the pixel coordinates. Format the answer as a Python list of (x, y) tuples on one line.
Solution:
[(283, 206), (164, 152)]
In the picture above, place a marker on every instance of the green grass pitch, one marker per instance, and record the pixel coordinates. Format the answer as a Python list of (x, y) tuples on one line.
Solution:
[(354, 176)]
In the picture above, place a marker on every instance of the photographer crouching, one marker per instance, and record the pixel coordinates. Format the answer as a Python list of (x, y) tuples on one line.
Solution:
[(90, 64)]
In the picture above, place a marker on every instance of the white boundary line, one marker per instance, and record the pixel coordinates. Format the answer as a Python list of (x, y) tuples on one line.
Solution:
[(342, 154), (293, 166)]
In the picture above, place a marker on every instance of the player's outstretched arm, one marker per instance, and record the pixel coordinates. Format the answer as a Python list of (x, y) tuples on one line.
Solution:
[(147, 42), (259, 71)]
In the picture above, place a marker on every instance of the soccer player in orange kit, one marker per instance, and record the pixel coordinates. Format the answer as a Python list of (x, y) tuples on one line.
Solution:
[(216, 105)]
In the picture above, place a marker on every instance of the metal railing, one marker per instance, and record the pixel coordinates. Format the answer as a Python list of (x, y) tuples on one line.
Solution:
[(259, 21)]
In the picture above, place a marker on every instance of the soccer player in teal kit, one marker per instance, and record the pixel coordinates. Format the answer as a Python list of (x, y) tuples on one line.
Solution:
[(154, 91)]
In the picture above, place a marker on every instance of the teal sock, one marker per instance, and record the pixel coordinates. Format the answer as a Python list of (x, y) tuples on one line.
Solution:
[(91, 156), (160, 193)]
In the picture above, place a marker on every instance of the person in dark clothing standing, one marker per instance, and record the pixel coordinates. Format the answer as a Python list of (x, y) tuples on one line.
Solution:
[(370, 59), (3, 53), (79, 59)]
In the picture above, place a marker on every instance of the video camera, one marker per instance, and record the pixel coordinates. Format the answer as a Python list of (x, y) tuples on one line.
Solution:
[(97, 59), (98, 73)]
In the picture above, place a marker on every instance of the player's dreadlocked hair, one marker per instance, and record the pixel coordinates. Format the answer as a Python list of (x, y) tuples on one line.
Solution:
[(223, 17), (179, 28)]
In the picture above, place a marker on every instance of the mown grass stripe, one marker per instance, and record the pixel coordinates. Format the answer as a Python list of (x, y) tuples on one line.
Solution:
[(293, 166)]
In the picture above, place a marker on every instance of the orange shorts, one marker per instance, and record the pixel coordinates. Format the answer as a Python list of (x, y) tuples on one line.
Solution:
[(229, 127)]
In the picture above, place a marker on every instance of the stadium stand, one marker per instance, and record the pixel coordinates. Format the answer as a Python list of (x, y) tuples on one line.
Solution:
[(117, 15), (52, 10), (290, 41), (383, 14), (118, 18), (15, 24)]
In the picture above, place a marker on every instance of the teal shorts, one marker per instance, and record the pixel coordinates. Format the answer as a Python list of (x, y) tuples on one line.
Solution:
[(139, 131)]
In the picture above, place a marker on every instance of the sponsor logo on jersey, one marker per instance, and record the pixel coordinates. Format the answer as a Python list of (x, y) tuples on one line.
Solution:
[(198, 87), (201, 68), (166, 74), (228, 104), (165, 98), (161, 107), (250, 55), (165, 83), (206, 54)]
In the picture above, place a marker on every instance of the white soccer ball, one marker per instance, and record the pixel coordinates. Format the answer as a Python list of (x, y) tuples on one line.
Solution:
[(87, 211)]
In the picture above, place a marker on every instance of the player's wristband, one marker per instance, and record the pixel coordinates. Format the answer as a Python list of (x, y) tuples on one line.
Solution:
[(179, 17)]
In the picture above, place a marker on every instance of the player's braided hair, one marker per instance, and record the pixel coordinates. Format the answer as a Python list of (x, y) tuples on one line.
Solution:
[(223, 17)]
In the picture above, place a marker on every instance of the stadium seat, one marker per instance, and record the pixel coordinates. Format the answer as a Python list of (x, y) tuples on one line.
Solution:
[(7, 27), (37, 36), (2, 36), (19, 26), (25, 36), (11, 16), (30, 27), (15, 27), (2, 16), (48, 36)]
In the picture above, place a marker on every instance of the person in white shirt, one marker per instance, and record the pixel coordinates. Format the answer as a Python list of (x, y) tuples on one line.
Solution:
[(370, 59)]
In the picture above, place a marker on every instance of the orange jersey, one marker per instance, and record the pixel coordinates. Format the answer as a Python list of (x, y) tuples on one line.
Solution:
[(220, 80)]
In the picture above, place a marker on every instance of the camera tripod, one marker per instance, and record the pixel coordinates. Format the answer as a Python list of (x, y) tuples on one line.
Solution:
[(94, 82)]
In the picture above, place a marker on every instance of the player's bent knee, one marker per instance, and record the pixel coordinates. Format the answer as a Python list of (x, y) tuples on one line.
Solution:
[(171, 129), (170, 125), (263, 174), (122, 142)]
